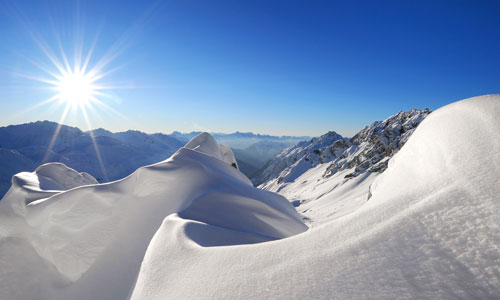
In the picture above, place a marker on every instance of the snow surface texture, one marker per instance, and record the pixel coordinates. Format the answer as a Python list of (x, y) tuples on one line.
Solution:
[(429, 231), (45, 181), (89, 242), (197, 229)]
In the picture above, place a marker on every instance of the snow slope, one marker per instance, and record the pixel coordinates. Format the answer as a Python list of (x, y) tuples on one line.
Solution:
[(332, 169), (195, 228), (429, 231), (368, 151), (88, 242), (293, 161)]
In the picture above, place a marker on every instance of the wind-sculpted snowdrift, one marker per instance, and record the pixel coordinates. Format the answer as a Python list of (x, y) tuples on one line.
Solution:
[(430, 229), (88, 242)]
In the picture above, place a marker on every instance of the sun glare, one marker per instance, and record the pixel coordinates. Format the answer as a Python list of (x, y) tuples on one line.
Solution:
[(79, 84), (76, 88)]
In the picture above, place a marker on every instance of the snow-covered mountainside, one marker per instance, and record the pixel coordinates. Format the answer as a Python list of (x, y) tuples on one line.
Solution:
[(194, 227), (150, 143), (61, 241), (429, 231), (367, 151), (24, 147), (298, 158)]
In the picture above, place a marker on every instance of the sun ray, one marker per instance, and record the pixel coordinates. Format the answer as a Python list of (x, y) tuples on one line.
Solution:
[(63, 55), (109, 108), (77, 78), (56, 132), (89, 54), (94, 142), (35, 78), (38, 105), (48, 52), (43, 68), (77, 89)]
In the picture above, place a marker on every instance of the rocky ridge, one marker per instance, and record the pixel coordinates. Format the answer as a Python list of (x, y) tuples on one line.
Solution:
[(368, 151)]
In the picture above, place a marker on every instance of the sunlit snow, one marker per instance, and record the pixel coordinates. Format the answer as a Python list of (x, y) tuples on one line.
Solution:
[(194, 227)]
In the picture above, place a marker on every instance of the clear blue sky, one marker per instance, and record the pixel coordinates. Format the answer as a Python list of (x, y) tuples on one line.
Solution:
[(277, 67)]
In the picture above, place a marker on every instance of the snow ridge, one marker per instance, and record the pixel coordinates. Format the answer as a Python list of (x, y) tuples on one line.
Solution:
[(430, 230), (304, 155), (194, 227), (368, 151), (88, 242), (371, 148)]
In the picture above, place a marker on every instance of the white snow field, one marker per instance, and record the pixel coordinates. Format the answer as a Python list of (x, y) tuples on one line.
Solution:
[(193, 227), (89, 242)]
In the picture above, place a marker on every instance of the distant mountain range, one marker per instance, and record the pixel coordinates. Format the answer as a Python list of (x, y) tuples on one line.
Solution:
[(242, 140), (408, 208), (252, 150), (25, 147)]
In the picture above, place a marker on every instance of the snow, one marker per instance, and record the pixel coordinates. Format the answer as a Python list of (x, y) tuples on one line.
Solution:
[(417, 237), (12, 162), (24, 147), (193, 227), (47, 180), (367, 151), (331, 176), (89, 242), (305, 154)]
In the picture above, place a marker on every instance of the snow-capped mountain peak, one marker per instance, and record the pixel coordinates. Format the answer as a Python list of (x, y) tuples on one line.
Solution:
[(371, 148), (292, 161), (368, 151)]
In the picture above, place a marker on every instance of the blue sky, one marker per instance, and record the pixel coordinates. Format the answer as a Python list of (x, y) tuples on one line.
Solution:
[(277, 67)]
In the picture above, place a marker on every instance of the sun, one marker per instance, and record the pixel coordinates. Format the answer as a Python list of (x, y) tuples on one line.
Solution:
[(75, 88), (79, 84)]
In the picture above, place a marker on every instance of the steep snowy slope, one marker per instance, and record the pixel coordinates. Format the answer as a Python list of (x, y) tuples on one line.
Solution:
[(298, 158), (89, 242), (196, 228), (429, 231), (318, 170)]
